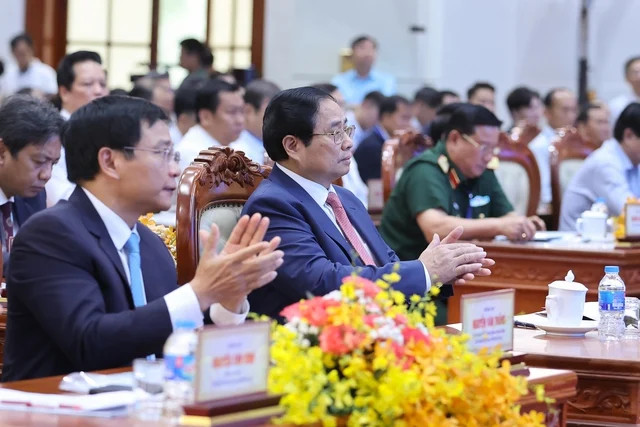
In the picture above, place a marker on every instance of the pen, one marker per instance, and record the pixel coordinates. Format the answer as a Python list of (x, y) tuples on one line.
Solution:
[(525, 325)]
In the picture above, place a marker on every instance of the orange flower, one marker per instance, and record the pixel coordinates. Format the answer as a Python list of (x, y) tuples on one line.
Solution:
[(314, 311), (370, 289)]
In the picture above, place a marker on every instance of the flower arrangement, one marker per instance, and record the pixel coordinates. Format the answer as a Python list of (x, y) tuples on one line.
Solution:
[(365, 355), (167, 234)]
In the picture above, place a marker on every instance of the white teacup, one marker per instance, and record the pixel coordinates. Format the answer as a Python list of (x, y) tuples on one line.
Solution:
[(592, 225), (565, 303)]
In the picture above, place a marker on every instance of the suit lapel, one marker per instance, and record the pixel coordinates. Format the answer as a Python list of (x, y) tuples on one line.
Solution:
[(318, 214), (24, 208), (94, 224)]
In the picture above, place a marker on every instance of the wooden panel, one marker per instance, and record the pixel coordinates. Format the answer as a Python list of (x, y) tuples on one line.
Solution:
[(46, 23), (530, 267), (257, 35)]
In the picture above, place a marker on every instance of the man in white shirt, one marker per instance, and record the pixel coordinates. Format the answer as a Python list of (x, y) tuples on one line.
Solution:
[(28, 71), (220, 113), (81, 79), (326, 232), (560, 110), (257, 95), (632, 75), (91, 287)]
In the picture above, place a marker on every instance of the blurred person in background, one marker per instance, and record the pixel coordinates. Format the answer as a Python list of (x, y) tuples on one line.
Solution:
[(27, 71)]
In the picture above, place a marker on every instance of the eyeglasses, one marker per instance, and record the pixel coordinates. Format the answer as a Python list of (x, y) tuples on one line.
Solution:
[(167, 153), (484, 149), (339, 134)]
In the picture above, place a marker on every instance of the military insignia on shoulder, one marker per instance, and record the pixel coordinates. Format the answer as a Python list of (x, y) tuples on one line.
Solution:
[(454, 179), (493, 163), (443, 162)]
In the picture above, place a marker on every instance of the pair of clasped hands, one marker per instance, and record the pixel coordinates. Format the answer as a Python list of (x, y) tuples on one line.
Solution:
[(247, 262)]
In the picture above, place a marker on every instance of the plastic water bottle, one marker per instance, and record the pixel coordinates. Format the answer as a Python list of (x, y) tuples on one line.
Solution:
[(180, 366), (600, 205), (611, 302)]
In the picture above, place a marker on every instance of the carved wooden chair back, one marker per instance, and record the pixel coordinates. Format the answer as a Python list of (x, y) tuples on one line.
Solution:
[(518, 175), (213, 189)]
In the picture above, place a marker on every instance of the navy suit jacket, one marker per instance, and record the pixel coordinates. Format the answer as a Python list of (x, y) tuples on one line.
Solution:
[(316, 255), (369, 156), (22, 210), (69, 302)]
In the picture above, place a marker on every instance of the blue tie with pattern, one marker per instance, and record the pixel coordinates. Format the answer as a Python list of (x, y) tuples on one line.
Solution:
[(133, 255)]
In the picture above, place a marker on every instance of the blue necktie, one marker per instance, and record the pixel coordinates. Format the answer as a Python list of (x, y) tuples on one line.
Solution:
[(133, 255)]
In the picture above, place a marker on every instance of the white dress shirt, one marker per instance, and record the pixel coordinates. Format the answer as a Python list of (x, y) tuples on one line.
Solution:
[(251, 145), (59, 187), (182, 303), (319, 194), (195, 140), (37, 76), (540, 147)]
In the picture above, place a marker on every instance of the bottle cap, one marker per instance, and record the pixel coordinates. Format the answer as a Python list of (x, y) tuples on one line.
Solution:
[(185, 324), (611, 269)]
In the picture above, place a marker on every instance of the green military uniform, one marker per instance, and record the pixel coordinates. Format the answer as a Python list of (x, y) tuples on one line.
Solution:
[(432, 181)]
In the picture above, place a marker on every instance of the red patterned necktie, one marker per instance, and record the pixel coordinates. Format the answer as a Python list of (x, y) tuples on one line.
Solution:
[(7, 224), (347, 228)]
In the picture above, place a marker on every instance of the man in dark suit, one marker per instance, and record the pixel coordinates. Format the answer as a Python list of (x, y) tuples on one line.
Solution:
[(326, 232), (92, 288), (395, 115), (29, 147)]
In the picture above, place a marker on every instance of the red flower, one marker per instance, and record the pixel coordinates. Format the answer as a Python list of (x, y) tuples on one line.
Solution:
[(340, 339), (314, 311), (415, 335)]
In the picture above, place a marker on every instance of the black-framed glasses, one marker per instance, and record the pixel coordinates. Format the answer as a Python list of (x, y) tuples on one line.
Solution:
[(339, 134), (484, 149), (167, 153)]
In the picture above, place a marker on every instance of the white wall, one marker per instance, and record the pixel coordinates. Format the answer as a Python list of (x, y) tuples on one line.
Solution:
[(507, 42), (11, 23)]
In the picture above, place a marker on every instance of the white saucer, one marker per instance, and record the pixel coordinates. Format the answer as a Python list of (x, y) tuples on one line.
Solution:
[(566, 331)]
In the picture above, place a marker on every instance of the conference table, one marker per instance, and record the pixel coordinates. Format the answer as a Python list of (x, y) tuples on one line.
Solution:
[(560, 384), (529, 267), (608, 391)]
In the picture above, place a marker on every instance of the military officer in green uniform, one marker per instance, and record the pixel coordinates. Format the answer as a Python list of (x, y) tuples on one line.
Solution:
[(451, 185)]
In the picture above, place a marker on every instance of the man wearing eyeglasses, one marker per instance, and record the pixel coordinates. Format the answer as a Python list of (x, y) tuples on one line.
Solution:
[(326, 232), (92, 288), (450, 186)]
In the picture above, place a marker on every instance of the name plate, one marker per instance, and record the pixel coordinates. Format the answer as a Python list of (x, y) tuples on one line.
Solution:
[(632, 219), (232, 361), (487, 317)]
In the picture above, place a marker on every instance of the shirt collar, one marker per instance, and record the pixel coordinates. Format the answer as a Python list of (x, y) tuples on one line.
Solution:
[(118, 230), (356, 76), (548, 132), (4, 199), (201, 134), (65, 114), (614, 146), (317, 191)]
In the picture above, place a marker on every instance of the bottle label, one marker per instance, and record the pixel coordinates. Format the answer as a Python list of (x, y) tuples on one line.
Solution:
[(179, 368), (611, 300)]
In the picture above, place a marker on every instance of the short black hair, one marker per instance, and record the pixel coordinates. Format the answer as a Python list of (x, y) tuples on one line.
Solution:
[(629, 63), (141, 92), (327, 87), (583, 116), (548, 98), (291, 112), (521, 97), (185, 101), (192, 46), (449, 92), (467, 116), (26, 120), (389, 104), (208, 95), (477, 86), (628, 119), (111, 121), (206, 57), (376, 97), (363, 38), (428, 96), (258, 90), (439, 124), (23, 37), (66, 76)]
